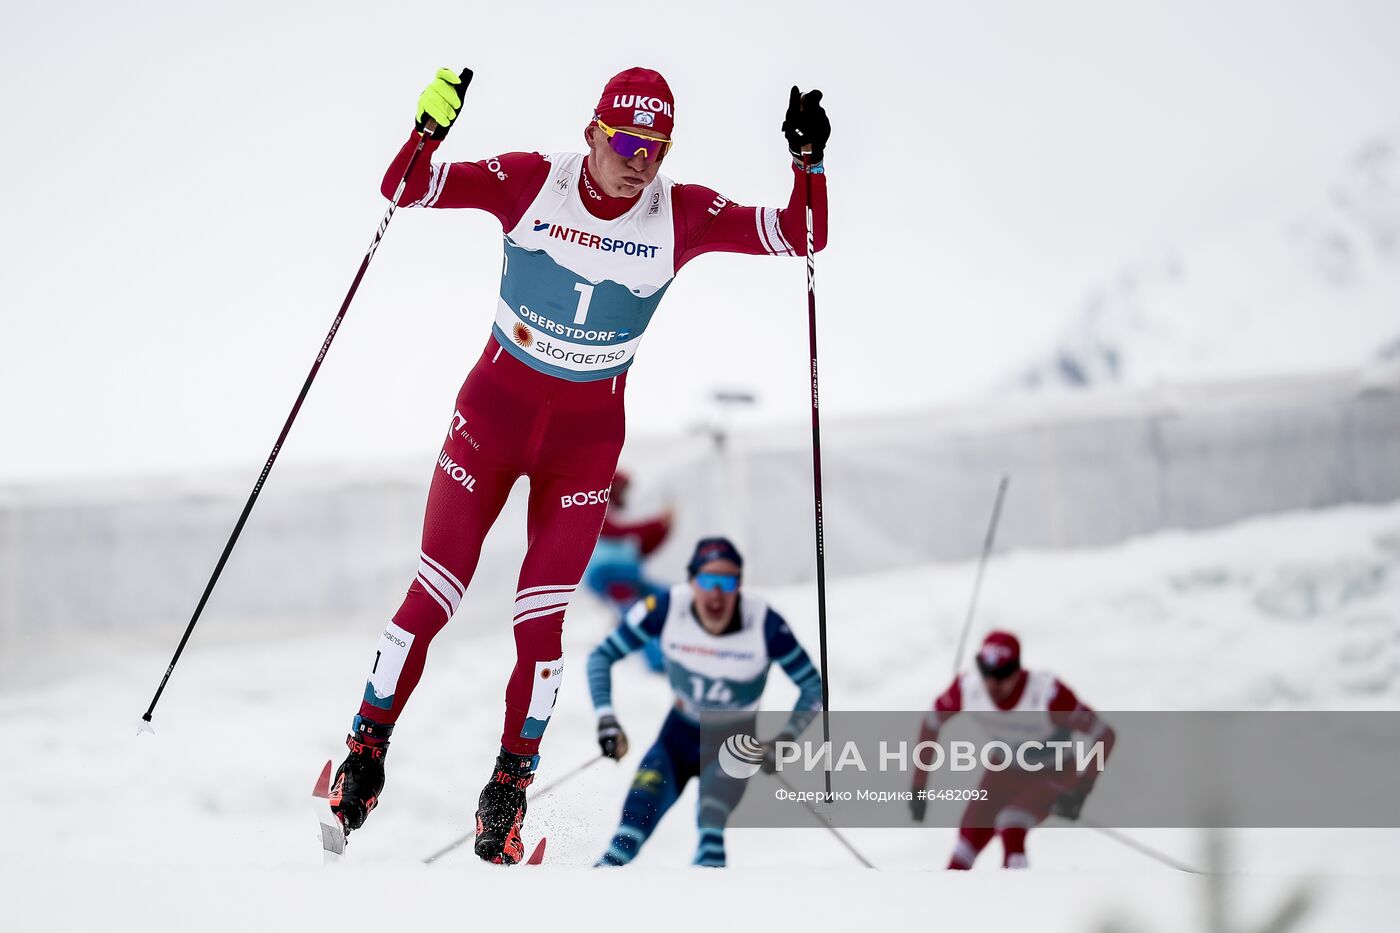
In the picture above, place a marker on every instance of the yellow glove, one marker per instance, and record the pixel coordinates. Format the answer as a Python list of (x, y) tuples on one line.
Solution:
[(442, 99)]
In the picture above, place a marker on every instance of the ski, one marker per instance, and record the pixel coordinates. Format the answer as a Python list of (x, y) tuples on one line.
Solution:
[(537, 856), (332, 830)]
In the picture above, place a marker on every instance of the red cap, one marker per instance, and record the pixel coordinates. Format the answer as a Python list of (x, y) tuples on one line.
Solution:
[(1000, 651), (638, 97)]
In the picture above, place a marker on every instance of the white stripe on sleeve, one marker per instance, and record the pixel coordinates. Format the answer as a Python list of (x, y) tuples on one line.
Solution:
[(775, 233), (435, 183), (762, 234)]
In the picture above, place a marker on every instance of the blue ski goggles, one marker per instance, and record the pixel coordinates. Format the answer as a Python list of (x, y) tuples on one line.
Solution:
[(724, 582)]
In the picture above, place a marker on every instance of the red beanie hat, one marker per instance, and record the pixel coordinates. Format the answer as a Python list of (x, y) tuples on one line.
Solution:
[(1000, 654), (638, 97)]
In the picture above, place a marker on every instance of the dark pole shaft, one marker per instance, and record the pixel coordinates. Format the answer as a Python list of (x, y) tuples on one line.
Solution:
[(987, 544), (287, 427), (817, 471)]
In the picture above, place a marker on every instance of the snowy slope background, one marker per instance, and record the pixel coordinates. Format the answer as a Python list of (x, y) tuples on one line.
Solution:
[(173, 265), (1303, 287)]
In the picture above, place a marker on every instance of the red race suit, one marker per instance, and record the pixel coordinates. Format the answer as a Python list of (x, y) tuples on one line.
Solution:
[(1015, 799), (581, 276)]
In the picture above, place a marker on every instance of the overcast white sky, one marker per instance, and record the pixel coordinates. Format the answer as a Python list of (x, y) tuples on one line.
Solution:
[(189, 188)]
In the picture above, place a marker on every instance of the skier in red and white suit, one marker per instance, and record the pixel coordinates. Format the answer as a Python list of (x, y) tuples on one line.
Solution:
[(1016, 799), (592, 241)]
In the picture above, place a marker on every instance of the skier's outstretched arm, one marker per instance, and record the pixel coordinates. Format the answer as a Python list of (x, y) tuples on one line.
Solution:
[(503, 185), (1069, 712), (640, 625), (945, 707), (793, 659), (708, 222)]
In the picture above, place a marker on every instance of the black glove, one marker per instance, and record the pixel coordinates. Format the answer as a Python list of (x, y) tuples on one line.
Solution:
[(770, 752), (806, 125), (1069, 805), (611, 739), (917, 807)]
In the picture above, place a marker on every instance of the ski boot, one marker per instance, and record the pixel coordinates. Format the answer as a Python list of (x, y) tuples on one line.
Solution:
[(360, 778), (501, 809)]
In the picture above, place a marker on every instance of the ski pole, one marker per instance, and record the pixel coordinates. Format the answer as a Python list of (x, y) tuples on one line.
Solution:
[(826, 823), (543, 791), (817, 468), (981, 566), (1146, 850), (428, 127)]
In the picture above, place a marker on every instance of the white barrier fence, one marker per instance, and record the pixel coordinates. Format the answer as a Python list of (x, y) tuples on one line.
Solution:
[(899, 490)]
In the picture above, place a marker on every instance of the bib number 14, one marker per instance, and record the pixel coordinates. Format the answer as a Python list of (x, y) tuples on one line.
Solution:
[(717, 692)]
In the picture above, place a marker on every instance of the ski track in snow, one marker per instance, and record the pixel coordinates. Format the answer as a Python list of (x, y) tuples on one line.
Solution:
[(1300, 611)]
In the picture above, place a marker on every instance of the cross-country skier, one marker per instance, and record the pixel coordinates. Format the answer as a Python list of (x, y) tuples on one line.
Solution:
[(718, 646), (592, 240), (614, 572), (1016, 799)]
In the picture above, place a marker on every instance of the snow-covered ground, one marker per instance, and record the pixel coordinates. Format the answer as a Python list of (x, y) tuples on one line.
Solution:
[(1300, 611)]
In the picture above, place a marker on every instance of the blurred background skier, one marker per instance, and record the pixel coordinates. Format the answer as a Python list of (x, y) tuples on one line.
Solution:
[(718, 645), (592, 242), (615, 573), (1041, 709)]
